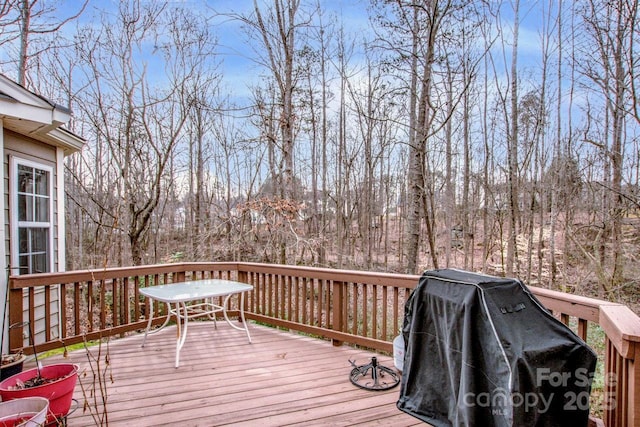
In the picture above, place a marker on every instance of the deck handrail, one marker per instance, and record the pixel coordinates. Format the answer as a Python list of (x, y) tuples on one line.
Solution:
[(357, 307)]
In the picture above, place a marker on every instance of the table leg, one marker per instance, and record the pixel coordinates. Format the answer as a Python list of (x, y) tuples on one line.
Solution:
[(150, 316), (148, 331), (244, 323), (212, 313), (183, 323)]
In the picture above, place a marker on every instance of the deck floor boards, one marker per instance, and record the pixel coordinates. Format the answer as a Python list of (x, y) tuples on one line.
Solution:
[(280, 379)]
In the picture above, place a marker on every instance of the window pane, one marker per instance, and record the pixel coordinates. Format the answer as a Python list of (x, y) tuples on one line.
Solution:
[(23, 209), (42, 182), (24, 264), (23, 240), (25, 179), (42, 209), (39, 239), (40, 264)]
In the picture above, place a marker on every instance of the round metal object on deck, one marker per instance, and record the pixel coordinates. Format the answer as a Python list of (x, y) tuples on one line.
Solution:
[(373, 376)]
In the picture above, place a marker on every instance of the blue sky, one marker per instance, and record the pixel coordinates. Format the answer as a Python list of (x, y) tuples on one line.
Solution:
[(237, 63), (238, 68), (239, 71)]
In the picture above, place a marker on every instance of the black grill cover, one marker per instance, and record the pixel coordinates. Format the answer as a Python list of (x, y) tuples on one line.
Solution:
[(483, 351)]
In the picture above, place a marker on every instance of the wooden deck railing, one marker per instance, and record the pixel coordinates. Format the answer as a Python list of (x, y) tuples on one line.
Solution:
[(357, 307)]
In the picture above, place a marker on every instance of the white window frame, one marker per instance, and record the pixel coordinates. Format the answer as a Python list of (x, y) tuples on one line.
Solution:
[(15, 224)]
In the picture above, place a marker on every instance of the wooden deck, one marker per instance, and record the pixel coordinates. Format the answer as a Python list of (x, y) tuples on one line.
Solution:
[(280, 379)]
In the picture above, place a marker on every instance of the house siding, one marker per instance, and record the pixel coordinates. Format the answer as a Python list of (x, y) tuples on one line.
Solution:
[(29, 149)]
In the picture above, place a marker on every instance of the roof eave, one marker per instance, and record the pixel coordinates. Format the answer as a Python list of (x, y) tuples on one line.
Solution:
[(68, 141)]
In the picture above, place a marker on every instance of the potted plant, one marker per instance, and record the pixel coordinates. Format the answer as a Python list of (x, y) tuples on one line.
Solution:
[(11, 364), (55, 382), (25, 412)]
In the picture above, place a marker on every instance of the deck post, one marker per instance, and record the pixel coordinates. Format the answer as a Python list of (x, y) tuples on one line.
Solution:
[(337, 312), (243, 276), (622, 366), (16, 340), (633, 388)]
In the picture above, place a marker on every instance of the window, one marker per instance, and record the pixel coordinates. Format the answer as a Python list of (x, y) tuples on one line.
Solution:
[(32, 224)]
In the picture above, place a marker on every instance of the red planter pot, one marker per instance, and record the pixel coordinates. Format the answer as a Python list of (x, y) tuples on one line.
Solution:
[(59, 393)]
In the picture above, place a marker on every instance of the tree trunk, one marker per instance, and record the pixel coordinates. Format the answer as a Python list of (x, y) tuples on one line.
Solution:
[(512, 255)]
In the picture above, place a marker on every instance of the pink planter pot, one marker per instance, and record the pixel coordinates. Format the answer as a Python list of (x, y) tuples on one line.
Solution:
[(59, 393), (25, 412)]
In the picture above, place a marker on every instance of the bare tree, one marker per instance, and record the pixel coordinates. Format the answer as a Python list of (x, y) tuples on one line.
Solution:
[(610, 68), (557, 152), (138, 124), (512, 152), (276, 30), (415, 35), (37, 19), (316, 57), (343, 159), (9, 21)]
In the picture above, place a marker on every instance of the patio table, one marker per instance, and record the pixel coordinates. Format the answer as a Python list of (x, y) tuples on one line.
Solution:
[(191, 299)]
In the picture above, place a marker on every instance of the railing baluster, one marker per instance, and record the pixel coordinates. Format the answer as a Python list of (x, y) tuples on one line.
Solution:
[(125, 299), (136, 298), (312, 299), (385, 308), (365, 311), (328, 303), (305, 298), (277, 297), (105, 308), (90, 305), (77, 292), (285, 297), (273, 295), (396, 319), (266, 295), (47, 313), (319, 316), (63, 310), (374, 312), (299, 299), (288, 297), (32, 317), (354, 308), (274, 304), (582, 328)]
